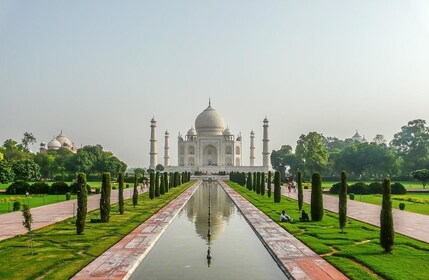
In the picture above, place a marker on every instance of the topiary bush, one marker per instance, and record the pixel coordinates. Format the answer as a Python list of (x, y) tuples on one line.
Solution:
[(387, 233), (375, 188), (352, 196), (358, 188), (68, 196), (39, 188), (105, 198), (335, 189), (402, 206), (398, 188), (316, 207), (61, 188), (97, 190), (18, 187), (16, 206), (82, 203)]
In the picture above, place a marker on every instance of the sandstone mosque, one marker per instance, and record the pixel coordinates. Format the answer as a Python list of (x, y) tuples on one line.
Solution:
[(210, 147)]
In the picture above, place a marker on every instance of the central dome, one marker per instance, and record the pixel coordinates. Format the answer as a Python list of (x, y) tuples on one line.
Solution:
[(209, 122)]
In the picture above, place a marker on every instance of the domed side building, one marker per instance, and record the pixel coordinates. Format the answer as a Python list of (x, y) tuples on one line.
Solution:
[(61, 141), (209, 146)]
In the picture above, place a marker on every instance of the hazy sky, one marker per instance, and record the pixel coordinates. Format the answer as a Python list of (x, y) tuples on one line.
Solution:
[(99, 70)]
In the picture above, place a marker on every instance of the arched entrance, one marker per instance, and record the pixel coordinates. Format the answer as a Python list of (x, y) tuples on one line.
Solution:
[(210, 155)]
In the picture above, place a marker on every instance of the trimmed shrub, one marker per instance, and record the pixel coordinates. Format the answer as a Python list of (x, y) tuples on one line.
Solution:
[(18, 187), (375, 188), (82, 203), (402, 206), (16, 206), (254, 182), (61, 188), (162, 185), (121, 192), (305, 187), (39, 188), (269, 184), (68, 196), (398, 188), (342, 203), (316, 197), (152, 185), (157, 191), (300, 192), (105, 198), (97, 190), (262, 183), (352, 196), (358, 188), (258, 182), (249, 181), (135, 191), (277, 187), (335, 189), (386, 219), (166, 188)]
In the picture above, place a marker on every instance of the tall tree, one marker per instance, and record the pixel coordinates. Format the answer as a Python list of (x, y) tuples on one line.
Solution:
[(300, 191), (342, 201), (249, 181), (283, 159), (262, 183), (258, 182), (157, 184), (28, 221), (121, 192), (151, 185), (105, 198), (28, 140), (135, 191), (166, 185), (421, 175), (311, 150), (277, 187), (162, 185), (269, 184), (386, 219), (316, 197), (6, 172), (26, 169), (82, 203)]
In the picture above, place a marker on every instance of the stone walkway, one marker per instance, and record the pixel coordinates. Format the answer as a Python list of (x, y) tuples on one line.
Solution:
[(407, 223), (11, 223), (121, 259), (289, 252)]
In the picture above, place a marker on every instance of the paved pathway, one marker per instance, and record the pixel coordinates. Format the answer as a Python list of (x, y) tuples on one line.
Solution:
[(121, 259), (11, 223), (289, 252), (410, 224)]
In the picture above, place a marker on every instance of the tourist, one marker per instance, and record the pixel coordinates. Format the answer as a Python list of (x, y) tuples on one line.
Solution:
[(294, 185), (284, 217), (304, 217)]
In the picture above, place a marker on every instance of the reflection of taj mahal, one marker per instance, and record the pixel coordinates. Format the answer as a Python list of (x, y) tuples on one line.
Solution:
[(210, 147)]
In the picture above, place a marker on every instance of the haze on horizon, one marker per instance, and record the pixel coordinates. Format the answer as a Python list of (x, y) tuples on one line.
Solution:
[(99, 70)]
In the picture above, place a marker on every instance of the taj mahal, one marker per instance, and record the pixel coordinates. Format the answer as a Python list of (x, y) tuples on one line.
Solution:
[(210, 147)]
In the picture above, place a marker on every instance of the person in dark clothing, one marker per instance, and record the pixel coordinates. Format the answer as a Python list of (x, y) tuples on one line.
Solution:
[(304, 217)]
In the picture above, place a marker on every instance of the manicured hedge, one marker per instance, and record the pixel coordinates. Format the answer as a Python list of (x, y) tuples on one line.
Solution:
[(372, 188)]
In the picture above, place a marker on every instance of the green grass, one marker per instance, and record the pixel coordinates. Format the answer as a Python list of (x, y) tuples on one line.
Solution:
[(93, 184), (407, 184), (6, 201), (356, 253), (414, 202), (61, 253)]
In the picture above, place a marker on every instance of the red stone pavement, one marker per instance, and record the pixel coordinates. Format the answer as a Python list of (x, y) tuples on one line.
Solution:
[(289, 252), (11, 223), (407, 223)]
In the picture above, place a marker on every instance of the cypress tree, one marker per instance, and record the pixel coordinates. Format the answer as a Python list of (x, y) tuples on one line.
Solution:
[(28, 221), (258, 182), (176, 179), (316, 197), (105, 198), (269, 184), (162, 186), (254, 182), (171, 181), (342, 201), (157, 184), (277, 190), (386, 219), (262, 183), (121, 192), (249, 181), (300, 191), (82, 203), (135, 191), (152, 185), (165, 182)]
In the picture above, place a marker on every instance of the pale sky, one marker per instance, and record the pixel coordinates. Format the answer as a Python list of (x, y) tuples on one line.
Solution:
[(99, 70)]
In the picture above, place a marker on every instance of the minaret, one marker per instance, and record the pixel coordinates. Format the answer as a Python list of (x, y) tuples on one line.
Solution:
[(153, 148), (265, 152), (166, 150), (252, 148)]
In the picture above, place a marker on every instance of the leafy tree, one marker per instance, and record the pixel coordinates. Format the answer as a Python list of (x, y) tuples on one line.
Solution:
[(82, 203), (28, 140), (379, 140), (135, 191), (300, 191), (342, 204), (26, 169), (121, 192), (139, 171), (311, 150), (159, 167), (6, 172), (46, 161), (386, 219), (277, 187), (28, 220), (412, 145), (316, 197), (421, 175), (283, 159), (105, 198), (12, 151)]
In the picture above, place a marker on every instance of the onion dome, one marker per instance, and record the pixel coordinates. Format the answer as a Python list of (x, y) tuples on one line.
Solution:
[(191, 132), (357, 137), (64, 140), (209, 122), (227, 132), (54, 144)]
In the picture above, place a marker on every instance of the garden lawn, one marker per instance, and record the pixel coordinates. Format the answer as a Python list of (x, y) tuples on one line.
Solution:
[(414, 202), (36, 200), (356, 253), (407, 184), (93, 184), (61, 253)]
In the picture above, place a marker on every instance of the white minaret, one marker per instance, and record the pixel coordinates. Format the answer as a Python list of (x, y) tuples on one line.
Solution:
[(265, 152), (166, 150), (153, 147), (252, 148)]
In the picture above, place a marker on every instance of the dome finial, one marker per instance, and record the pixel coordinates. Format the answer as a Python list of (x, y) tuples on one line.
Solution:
[(210, 103)]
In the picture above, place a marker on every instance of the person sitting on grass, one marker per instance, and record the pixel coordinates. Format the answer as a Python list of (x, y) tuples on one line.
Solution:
[(304, 217), (284, 217)]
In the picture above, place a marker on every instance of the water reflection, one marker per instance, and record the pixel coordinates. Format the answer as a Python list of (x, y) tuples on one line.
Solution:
[(197, 211)]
